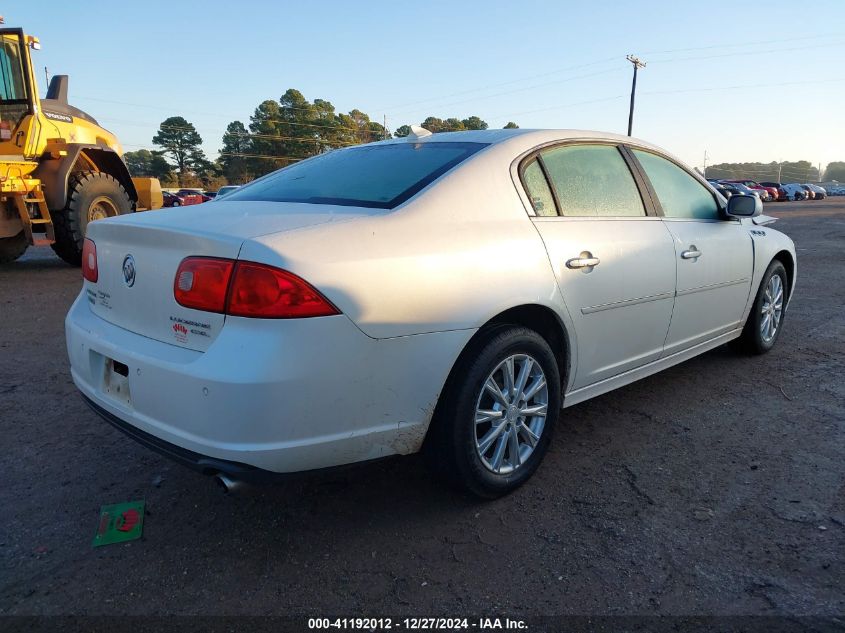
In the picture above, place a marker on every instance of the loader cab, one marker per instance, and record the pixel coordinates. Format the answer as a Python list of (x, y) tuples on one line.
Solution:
[(19, 129)]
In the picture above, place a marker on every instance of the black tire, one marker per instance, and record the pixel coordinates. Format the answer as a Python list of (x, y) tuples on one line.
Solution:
[(88, 191), (176, 204), (451, 446), (12, 247), (752, 341)]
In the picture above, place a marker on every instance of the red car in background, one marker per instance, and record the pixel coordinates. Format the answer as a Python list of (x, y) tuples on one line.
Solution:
[(771, 193), (171, 199), (194, 194)]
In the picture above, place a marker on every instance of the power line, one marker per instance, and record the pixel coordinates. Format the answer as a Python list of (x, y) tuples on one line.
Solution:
[(745, 54), (271, 137), (328, 126), (358, 130), (170, 109), (610, 59), (242, 155), (556, 107), (757, 43), (523, 89), (738, 86), (287, 122), (506, 83), (502, 117)]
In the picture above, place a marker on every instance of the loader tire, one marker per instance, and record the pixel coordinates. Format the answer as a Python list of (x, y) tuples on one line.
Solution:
[(92, 195), (12, 247)]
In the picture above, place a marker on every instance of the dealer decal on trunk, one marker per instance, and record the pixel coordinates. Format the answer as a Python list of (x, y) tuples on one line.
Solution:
[(183, 327), (181, 332)]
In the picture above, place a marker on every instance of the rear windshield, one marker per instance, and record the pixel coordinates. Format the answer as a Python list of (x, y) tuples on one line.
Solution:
[(378, 176)]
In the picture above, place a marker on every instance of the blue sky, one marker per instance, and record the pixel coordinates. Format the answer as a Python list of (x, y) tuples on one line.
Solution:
[(745, 81)]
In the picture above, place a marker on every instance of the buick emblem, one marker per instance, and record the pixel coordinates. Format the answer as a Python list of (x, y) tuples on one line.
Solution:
[(129, 270)]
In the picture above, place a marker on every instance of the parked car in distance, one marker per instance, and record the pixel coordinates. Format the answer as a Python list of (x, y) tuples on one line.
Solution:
[(189, 197), (211, 194), (227, 189), (770, 194), (448, 293), (794, 191), (782, 195), (171, 199), (819, 192), (195, 194), (731, 189), (835, 191), (727, 193), (738, 187)]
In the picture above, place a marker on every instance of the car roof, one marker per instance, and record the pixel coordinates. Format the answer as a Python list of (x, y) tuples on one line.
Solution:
[(519, 137)]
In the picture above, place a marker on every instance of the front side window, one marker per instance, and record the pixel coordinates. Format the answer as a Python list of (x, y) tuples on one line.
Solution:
[(592, 181), (680, 195), (377, 176)]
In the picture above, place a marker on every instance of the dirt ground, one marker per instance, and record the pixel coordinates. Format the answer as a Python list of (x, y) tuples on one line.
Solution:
[(715, 487)]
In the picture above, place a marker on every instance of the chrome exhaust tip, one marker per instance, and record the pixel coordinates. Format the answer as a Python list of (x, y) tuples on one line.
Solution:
[(228, 484)]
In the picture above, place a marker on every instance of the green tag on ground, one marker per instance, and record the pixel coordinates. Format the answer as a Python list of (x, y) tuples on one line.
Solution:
[(120, 522)]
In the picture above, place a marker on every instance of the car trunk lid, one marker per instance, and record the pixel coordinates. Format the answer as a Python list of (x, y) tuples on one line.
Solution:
[(138, 255)]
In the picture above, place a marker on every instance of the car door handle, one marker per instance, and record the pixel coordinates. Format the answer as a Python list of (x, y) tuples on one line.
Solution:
[(583, 262), (691, 253)]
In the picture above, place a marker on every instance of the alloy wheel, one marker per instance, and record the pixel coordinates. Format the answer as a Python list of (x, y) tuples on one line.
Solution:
[(510, 413), (772, 309)]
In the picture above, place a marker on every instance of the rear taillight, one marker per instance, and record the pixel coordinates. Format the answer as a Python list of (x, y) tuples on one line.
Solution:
[(247, 289), (202, 282), (267, 292), (89, 261)]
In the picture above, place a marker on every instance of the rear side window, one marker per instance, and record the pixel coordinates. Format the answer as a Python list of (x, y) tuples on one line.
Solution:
[(538, 190), (680, 195), (592, 181), (378, 176)]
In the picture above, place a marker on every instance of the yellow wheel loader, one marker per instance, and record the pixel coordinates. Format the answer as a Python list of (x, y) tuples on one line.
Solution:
[(59, 170)]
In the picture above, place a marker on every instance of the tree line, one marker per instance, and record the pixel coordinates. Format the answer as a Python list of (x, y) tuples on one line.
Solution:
[(278, 134), (801, 171)]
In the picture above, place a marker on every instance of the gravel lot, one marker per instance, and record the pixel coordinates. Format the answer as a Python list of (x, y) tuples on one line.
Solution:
[(713, 488)]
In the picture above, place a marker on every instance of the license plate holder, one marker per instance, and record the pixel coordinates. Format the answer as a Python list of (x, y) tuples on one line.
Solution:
[(116, 381)]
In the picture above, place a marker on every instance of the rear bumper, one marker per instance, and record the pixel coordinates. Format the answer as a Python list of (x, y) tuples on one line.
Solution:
[(277, 396), (195, 461)]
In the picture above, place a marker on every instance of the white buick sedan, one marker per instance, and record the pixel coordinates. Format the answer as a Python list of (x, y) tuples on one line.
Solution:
[(449, 293)]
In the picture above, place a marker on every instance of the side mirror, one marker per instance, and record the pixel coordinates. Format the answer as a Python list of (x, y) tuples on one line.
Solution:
[(741, 205)]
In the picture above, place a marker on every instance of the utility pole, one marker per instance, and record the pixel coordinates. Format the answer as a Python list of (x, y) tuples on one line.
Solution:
[(385, 128), (47, 76), (705, 163), (780, 165), (637, 65)]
